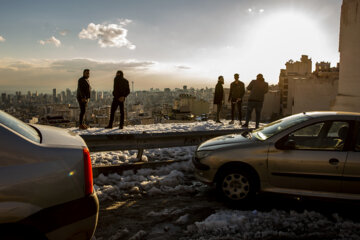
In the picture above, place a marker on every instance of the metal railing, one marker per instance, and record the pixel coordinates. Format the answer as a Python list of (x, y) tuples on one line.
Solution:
[(117, 142)]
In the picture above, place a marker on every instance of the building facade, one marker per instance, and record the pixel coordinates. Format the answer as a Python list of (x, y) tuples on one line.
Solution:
[(348, 97), (303, 90)]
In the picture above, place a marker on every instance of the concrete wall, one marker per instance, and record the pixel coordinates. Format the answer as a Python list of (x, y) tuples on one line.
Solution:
[(348, 98), (313, 94), (271, 106)]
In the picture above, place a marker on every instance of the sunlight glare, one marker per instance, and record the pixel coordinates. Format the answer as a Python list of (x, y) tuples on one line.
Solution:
[(278, 37)]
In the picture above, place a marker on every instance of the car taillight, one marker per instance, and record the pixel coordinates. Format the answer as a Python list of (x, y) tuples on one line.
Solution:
[(88, 172)]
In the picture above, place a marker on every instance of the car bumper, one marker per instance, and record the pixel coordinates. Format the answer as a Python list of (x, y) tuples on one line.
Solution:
[(203, 172), (71, 220)]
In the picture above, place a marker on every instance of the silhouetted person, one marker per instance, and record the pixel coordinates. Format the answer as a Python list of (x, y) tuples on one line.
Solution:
[(219, 97), (257, 88), (121, 91), (83, 96), (237, 91)]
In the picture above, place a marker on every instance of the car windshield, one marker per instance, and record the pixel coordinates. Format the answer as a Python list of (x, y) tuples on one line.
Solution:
[(280, 125), (19, 127)]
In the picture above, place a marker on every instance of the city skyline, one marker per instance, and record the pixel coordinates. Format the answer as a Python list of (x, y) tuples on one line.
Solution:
[(45, 45)]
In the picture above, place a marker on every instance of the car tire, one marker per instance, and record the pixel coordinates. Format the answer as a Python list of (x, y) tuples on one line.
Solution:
[(236, 186)]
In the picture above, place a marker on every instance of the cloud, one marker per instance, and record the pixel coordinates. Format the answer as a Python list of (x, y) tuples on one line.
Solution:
[(74, 65), (64, 32), (2, 39), (52, 40), (45, 74), (182, 67), (108, 35)]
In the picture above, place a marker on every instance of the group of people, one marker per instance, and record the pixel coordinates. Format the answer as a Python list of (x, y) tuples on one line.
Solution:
[(120, 92), (257, 89)]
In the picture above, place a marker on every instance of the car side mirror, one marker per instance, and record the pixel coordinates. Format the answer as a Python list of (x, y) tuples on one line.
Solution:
[(289, 145)]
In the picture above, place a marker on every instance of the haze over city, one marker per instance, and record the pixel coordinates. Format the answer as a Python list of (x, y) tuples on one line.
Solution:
[(160, 44)]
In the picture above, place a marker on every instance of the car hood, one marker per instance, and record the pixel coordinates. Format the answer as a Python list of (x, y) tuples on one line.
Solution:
[(59, 136), (224, 141)]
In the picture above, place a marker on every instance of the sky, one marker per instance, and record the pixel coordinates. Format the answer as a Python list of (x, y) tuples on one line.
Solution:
[(160, 43)]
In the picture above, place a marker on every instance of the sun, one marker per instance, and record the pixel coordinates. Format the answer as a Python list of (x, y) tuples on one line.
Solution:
[(274, 38), (288, 31)]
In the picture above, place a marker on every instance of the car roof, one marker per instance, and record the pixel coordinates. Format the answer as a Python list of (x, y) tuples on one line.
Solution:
[(332, 113)]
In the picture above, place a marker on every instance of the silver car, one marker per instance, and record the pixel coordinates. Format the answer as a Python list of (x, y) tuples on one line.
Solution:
[(46, 185), (309, 154)]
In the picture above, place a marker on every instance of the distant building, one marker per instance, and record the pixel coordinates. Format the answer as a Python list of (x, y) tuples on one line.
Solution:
[(189, 103), (93, 96), (3, 98), (100, 95), (54, 95), (302, 90), (68, 95)]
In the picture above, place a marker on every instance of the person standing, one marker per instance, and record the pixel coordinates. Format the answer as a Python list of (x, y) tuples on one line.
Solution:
[(237, 91), (83, 96), (121, 91), (219, 97), (257, 89)]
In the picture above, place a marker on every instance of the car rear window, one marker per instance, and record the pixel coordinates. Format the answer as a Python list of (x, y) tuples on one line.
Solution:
[(19, 127)]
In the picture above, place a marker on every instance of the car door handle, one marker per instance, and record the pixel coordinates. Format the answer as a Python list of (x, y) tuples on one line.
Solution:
[(334, 161)]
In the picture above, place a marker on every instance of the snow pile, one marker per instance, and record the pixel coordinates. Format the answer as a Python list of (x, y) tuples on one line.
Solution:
[(117, 157), (158, 154), (164, 180), (166, 212), (276, 224), (165, 128)]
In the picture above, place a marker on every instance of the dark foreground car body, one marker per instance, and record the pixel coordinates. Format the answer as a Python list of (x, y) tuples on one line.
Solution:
[(309, 154), (46, 188)]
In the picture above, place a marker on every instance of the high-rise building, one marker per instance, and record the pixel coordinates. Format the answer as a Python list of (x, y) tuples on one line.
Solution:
[(68, 95), (54, 95), (3, 98), (93, 95)]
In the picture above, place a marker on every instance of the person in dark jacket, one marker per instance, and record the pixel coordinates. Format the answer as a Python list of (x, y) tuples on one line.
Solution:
[(121, 91), (219, 97), (83, 96), (237, 91), (257, 89)]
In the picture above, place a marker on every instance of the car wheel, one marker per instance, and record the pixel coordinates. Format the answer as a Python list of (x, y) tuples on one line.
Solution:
[(236, 185)]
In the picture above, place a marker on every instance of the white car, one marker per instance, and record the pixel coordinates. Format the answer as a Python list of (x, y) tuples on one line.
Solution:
[(46, 184)]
